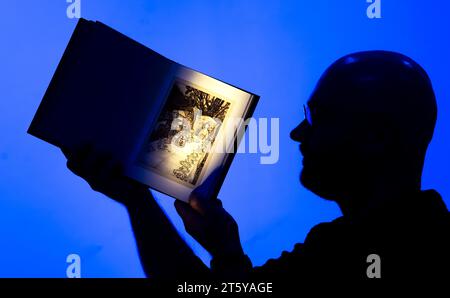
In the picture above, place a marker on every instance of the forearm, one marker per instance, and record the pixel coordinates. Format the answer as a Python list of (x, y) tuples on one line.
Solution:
[(163, 253)]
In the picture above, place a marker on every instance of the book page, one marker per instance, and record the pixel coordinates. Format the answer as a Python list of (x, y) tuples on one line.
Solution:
[(192, 135)]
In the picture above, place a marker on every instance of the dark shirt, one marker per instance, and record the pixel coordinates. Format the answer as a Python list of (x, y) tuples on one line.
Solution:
[(410, 235)]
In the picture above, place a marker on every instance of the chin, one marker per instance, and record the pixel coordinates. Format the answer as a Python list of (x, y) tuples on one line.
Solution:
[(317, 184)]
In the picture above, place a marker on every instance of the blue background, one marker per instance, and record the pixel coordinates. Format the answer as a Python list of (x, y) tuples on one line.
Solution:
[(277, 49)]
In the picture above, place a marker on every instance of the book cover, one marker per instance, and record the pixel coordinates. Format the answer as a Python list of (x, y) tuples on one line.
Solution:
[(169, 126)]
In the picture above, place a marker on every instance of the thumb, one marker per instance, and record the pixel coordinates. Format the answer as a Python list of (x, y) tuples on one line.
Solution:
[(185, 211), (199, 204), (192, 220)]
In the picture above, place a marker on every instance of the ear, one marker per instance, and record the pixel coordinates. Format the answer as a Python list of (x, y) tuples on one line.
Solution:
[(382, 139), (373, 143)]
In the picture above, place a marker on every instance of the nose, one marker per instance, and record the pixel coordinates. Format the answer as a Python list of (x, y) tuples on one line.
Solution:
[(299, 133)]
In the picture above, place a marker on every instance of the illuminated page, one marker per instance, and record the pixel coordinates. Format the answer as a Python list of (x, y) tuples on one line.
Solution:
[(193, 135)]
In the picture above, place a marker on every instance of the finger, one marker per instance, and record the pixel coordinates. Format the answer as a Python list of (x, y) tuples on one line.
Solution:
[(112, 174), (79, 152), (105, 167), (77, 158), (67, 153), (90, 164), (191, 218), (199, 204), (73, 167), (183, 210)]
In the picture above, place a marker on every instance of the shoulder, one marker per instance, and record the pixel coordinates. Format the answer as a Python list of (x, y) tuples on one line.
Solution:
[(324, 230), (319, 231)]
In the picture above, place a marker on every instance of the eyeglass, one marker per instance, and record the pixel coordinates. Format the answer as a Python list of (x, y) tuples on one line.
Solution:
[(307, 113)]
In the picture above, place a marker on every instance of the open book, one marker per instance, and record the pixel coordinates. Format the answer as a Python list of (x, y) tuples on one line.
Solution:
[(169, 126)]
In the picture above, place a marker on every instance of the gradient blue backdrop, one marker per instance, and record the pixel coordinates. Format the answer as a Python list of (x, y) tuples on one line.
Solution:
[(277, 49)]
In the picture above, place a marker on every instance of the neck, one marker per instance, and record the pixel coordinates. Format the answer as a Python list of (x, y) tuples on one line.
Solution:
[(358, 203)]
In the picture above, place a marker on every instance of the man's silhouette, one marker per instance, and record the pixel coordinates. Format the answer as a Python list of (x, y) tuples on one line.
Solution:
[(366, 130)]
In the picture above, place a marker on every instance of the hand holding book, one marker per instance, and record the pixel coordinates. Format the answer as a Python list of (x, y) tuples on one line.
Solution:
[(163, 253), (105, 176), (209, 223)]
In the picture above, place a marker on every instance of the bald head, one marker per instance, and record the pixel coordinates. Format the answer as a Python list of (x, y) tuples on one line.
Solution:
[(370, 117), (386, 84)]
